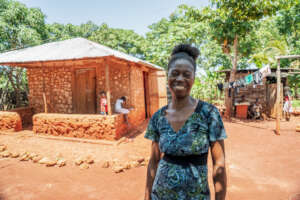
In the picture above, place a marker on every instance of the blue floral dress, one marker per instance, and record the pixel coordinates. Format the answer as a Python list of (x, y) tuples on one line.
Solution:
[(177, 181)]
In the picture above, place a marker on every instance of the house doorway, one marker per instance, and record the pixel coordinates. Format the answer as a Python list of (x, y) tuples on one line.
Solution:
[(85, 91), (146, 94)]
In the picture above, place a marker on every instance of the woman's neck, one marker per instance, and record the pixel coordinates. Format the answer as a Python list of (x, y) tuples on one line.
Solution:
[(179, 103)]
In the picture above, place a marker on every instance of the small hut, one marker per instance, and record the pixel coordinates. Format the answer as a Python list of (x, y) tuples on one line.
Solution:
[(66, 77), (265, 93)]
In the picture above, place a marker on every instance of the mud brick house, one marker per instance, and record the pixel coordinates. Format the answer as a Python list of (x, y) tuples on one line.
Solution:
[(265, 93), (65, 79)]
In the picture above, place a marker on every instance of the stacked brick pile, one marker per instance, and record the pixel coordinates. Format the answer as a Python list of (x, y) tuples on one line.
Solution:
[(80, 126), (10, 121)]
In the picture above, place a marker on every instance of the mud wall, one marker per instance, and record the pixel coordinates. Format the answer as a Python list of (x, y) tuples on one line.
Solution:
[(80, 126)]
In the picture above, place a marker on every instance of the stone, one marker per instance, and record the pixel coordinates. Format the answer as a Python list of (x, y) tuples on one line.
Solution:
[(118, 169), (140, 160), (36, 159), (143, 163), (32, 155), (134, 164), (15, 155), (24, 158), (84, 166), (2, 148), (47, 161), (127, 165), (79, 161), (89, 160), (5, 154), (61, 162), (105, 164)]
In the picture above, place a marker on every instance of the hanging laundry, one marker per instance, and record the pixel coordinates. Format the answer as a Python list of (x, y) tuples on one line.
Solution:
[(249, 79), (220, 86), (257, 78), (242, 82), (265, 71), (234, 84), (225, 86)]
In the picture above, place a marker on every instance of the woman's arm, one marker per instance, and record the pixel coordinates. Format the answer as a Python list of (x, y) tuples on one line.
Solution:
[(219, 171), (152, 167)]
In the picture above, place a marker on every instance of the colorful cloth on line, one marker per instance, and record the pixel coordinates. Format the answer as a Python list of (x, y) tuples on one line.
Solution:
[(249, 79), (175, 181)]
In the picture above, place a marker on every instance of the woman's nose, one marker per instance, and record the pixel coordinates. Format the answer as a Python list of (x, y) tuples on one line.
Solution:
[(179, 77)]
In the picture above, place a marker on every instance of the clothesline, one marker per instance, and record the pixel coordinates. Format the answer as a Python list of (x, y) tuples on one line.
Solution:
[(255, 78)]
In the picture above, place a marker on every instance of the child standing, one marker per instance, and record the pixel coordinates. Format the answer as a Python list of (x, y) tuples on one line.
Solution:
[(103, 104)]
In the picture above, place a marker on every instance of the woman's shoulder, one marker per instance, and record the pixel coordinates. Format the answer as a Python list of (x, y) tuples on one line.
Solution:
[(159, 112), (205, 107)]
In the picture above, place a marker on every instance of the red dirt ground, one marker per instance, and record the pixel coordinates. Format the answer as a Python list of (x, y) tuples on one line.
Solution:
[(260, 166)]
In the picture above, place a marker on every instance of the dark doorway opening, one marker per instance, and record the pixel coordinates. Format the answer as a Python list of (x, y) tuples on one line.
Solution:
[(146, 94)]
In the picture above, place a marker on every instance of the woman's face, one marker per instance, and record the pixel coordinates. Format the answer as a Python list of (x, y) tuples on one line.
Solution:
[(181, 77)]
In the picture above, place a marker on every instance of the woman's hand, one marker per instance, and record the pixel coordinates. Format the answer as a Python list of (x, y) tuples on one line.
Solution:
[(219, 170), (152, 167)]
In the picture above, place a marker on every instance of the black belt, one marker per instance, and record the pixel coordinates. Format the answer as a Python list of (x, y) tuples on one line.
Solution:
[(186, 160)]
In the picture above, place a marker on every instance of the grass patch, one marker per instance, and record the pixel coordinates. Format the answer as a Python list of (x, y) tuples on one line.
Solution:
[(296, 103)]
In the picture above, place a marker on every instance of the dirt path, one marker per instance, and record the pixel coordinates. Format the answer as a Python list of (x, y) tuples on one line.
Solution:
[(260, 165)]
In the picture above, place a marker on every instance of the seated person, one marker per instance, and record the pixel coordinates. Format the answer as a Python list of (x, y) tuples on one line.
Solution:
[(120, 109), (255, 111)]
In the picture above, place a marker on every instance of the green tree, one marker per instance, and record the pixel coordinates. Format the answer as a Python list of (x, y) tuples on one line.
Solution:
[(178, 28), (231, 22), (58, 31), (19, 27), (126, 41)]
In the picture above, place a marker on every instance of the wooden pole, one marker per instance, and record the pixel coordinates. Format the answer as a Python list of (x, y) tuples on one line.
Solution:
[(278, 107), (44, 95), (107, 87)]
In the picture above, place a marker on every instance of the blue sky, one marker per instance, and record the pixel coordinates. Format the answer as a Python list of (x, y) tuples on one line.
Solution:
[(127, 14)]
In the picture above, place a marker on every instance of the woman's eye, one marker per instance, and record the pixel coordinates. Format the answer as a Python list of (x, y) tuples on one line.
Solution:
[(187, 75), (174, 73)]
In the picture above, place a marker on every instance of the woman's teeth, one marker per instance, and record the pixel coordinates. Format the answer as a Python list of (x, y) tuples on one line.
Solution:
[(179, 87)]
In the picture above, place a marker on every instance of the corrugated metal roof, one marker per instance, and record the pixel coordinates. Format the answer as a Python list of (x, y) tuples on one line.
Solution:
[(76, 48)]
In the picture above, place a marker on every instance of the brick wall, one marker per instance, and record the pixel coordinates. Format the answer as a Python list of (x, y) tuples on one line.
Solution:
[(58, 89)]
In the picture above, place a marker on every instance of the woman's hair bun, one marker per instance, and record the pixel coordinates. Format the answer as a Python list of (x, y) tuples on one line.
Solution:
[(186, 48)]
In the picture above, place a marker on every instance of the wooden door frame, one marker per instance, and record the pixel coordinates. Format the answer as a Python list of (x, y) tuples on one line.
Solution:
[(73, 85)]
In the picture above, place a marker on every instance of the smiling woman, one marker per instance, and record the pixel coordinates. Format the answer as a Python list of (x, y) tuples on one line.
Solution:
[(182, 133)]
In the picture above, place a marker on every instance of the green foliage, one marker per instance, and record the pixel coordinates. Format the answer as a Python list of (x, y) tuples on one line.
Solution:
[(56, 31), (182, 27), (19, 27), (296, 103), (205, 87), (126, 41)]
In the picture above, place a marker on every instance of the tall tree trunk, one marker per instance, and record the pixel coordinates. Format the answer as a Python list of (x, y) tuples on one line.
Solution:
[(234, 60)]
